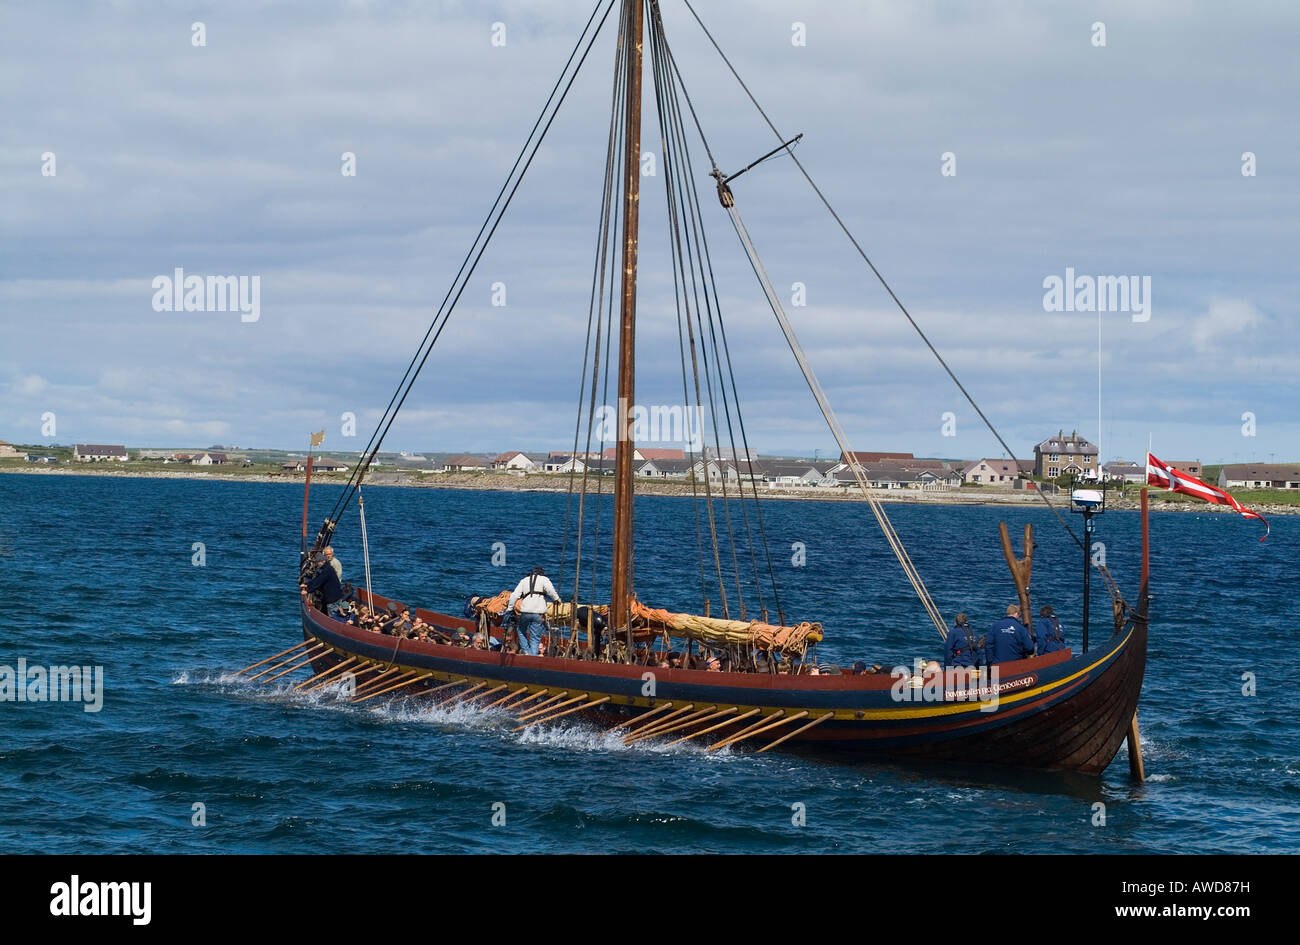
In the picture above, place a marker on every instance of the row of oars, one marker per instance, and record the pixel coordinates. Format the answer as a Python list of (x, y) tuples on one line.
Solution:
[(710, 719), (370, 678), (373, 679)]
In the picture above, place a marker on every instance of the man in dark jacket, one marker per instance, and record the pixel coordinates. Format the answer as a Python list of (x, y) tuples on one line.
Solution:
[(960, 648), (1048, 628), (324, 587), (1008, 639)]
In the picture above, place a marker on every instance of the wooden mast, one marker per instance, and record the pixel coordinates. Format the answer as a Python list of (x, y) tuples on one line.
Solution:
[(621, 589)]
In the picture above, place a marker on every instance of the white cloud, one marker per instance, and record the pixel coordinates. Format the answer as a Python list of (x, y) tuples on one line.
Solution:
[(29, 385), (1227, 322)]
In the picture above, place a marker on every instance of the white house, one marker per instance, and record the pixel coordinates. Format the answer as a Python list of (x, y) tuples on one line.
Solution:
[(998, 472), (464, 463), (717, 470), (1124, 471), (94, 452), (209, 459), (514, 459), (1260, 476), (782, 473)]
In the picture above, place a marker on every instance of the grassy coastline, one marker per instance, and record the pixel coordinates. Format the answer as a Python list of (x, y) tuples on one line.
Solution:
[(1265, 501)]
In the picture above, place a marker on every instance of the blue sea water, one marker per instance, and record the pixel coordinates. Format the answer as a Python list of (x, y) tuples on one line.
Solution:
[(98, 570)]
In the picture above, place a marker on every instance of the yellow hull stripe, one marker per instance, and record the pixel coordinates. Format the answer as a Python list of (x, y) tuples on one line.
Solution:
[(845, 714)]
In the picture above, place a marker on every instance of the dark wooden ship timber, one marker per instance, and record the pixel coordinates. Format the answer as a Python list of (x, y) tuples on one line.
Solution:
[(1068, 710)]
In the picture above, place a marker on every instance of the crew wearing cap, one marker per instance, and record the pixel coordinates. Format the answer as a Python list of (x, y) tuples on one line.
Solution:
[(1048, 627), (1008, 639), (532, 593), (960, 647)]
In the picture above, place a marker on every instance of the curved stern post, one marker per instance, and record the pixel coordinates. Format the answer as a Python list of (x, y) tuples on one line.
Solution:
[(1135, 766)]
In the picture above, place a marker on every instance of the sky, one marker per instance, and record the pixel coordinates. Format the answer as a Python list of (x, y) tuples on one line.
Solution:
[(226, 159)]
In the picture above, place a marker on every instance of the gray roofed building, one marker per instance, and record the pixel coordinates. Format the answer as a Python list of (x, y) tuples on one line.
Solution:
[(1124, 472), (1260, 476), (1062, 454), (90, 452)]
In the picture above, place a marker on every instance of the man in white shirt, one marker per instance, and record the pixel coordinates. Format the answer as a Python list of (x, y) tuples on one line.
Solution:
[(334, 562), (532, 593)]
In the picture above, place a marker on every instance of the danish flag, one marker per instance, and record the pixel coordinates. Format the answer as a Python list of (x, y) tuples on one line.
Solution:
[(1161, 474)]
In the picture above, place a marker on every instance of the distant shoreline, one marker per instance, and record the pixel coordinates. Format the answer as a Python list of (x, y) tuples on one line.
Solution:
[(496, 482)]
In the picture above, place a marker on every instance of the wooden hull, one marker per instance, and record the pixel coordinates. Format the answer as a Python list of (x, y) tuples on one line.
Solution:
[(1058, 712)]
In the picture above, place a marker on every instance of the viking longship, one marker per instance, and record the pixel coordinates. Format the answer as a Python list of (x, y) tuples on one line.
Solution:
[(734, 672)]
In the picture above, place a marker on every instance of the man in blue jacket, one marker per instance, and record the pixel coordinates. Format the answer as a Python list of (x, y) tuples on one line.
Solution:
[(1008, 639), (326, 582), (960, 647), (1048, 628)]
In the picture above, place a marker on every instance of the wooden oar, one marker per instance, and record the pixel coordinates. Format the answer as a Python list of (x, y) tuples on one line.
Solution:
[(310, 655), (547, 702), (364, 676), (711, 728), (639, 720), (537, 695), (505, 698), (328, 672), (558, 715), (277, 656), (315, 650), (395, 686), (379, 684), (360, 668), (484, 695), (802, 728), (429, 692), (747, 729), (632, 736), (658, 731), (708, 718), (459, 695), (737, 739), (654, 731), (542, 710), (372, 680)]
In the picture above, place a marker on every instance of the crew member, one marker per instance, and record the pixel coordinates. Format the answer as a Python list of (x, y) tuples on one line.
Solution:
[(1050, 636), (960, 648), (532, 593), (334, 562), (326, 586), (1008, 639)]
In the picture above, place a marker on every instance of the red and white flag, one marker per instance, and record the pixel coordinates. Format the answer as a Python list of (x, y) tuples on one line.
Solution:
[(1161, 474)]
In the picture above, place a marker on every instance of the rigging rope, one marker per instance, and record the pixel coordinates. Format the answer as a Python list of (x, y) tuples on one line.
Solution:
[(472, 257), (687, 218), (833, 422), (609, 215), (1110, 581)]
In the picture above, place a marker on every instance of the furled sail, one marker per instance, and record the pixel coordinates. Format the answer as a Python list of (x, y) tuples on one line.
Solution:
[(710, 631)]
